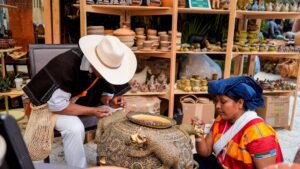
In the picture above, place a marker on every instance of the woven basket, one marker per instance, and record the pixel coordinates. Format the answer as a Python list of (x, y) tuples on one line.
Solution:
[(39, 132)]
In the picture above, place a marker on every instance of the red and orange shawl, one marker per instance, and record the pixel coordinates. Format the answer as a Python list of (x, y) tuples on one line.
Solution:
[(256, 139)]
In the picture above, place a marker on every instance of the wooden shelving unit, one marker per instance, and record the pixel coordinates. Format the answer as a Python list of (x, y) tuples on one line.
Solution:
[(125, 13), (202, 11), (191, 52), (291, 55), (266, 15)]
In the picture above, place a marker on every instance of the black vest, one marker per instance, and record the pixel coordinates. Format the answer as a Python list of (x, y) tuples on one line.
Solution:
[(64, 72)]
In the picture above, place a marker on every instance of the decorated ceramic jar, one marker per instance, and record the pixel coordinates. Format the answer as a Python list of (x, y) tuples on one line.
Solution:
[(144, 140)]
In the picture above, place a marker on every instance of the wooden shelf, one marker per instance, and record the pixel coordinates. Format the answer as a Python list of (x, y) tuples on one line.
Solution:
[(191, 52), (7, 6), (12, 93), (266, 15), (202, 11), (10, 49), (292, 55), (179, 91), (159, 54), (278, 91), (129, 93), (131, 10)]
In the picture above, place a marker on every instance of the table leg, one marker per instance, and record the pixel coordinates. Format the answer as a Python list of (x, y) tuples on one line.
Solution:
[(6, 104)]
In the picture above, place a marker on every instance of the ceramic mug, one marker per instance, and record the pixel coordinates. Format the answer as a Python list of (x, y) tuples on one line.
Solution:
[(164, 37), (139, 31), (19, 82), (162, 33), (165, 45), (147, 45)]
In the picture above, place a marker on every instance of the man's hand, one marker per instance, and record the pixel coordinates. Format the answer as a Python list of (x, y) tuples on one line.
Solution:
[(117, 102), (101, 112)]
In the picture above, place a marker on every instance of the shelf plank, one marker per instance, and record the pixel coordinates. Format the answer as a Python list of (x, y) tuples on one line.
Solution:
[(267, 15), (10, 49), (179, 92), (7, 6), (191, 52), (129, 93), (278, 91), (133, 10), (158, 54), (292, 55), (12, 93), (202, 11)]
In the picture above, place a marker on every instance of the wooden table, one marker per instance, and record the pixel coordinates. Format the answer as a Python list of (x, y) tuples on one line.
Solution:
[(16, 113)]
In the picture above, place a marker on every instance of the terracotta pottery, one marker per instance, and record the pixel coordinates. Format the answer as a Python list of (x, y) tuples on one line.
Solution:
[(144, 140), (124, 31)]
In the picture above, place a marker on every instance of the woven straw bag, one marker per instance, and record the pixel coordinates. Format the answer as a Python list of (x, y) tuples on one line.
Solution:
[(39, 132)]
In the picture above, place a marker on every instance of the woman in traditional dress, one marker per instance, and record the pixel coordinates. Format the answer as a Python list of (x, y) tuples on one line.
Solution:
[(238, 138)]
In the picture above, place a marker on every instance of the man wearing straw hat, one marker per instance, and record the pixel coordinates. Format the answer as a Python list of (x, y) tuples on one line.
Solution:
[(66, 76)]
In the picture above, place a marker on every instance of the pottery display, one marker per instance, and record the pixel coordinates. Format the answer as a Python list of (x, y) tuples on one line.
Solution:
[(154, 2), (126, 35), (95, 30), (195, 84), (275, 85), (144, 140)]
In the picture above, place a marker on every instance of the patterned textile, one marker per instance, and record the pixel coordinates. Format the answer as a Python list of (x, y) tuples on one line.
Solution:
[(256, 140)]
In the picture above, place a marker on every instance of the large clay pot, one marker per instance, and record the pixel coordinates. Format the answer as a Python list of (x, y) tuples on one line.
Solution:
[(136, 145)]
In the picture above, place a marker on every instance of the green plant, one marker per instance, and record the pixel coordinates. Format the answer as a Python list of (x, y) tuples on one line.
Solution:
[(5, 84), (204, 25)]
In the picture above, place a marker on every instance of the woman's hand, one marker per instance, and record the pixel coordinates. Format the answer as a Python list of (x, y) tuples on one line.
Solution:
[(117, 102), (101, 112), (199, 126)]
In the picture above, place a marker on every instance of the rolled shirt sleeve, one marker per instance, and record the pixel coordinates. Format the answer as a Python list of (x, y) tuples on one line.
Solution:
[(59, 100)]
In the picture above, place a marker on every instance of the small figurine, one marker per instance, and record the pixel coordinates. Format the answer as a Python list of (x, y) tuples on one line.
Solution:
[(285, 8), (262, 7), (215, 4), (269, 6), (254, 6), (278, 6)]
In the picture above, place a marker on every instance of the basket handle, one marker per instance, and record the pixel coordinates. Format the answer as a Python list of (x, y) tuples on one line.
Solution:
[(188, 99), (202, 100)]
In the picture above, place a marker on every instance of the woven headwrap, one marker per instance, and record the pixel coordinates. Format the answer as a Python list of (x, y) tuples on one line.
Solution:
[(242, 87)]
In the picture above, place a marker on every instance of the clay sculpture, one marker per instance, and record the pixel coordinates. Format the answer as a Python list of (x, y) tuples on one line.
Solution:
[(149, 143)]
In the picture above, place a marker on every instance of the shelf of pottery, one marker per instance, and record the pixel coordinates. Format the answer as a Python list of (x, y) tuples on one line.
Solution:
[(167, 45), (282, 49)]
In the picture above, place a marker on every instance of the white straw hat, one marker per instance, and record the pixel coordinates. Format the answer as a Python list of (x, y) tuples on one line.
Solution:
[(110, 57)]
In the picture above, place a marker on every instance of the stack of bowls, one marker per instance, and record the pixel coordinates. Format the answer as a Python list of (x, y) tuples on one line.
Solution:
[(87, 2), (152, 36), (126, 35), (95, 30), (178, 40), (164, 41), (140, 37)]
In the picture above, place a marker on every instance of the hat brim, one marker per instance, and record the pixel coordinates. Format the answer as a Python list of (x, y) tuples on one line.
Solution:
[(117, 76)]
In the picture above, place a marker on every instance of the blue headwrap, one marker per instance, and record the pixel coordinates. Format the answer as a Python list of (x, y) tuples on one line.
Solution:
[(242, 87)]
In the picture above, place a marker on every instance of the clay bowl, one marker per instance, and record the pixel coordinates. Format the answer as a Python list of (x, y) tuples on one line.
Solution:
[(95, 28), (129, 43), (126, 38)]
